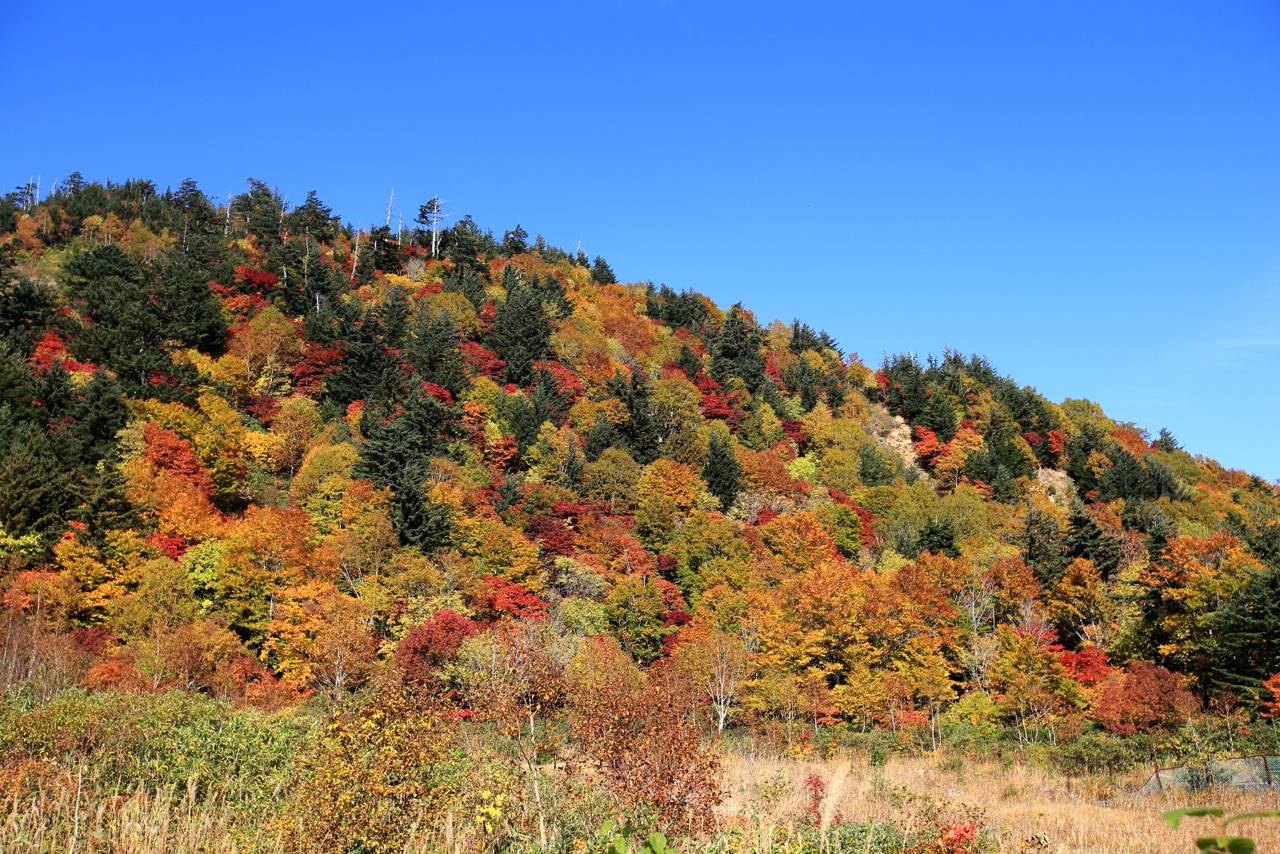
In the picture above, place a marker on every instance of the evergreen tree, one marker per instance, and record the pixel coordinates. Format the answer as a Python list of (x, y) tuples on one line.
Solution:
[(189, 311), (688, 361), (639, 432), (366, 371), (938, 536), (106, 506), (1004, 488), (263, 211), (1085, 538), (1042, 546), (433, 351), (722, 473), (803, 338), (1165, 442), (1242, 633), (904, 390), (38, 491), (420, 432), (465, 280), (515, 242), (602, 273), (418, 521), (737, 350), (1125, 479), (313, 219), (26, 309), (125, 330), (521, 333), (874, 469), (393, 317), (383, 254), (550, 292), (1149, 519), (939, 415), (601, 436)]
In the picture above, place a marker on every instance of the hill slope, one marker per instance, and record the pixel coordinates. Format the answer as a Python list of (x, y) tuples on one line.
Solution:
[(255, 453)]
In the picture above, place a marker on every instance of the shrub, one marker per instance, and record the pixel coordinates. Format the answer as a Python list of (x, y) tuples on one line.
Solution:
[(640, 735), (172, 739), (382, 768), (1101, 753)]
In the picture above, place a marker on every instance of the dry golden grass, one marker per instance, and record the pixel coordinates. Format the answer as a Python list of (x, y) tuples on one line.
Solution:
[(60, 817), (1026, 808)]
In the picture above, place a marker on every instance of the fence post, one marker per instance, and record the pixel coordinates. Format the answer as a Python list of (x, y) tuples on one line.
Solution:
[(1159, 782), (1266, 769)]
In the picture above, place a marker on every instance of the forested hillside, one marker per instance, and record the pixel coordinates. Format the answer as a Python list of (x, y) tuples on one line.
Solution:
[(429, 483)]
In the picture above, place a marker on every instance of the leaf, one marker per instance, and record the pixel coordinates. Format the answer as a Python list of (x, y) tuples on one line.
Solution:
[(1175, 817), (1240, 845), (1245, 816), (657, 843)]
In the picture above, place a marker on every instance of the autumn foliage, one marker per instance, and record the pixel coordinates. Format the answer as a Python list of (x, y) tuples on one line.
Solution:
[(452, 489)]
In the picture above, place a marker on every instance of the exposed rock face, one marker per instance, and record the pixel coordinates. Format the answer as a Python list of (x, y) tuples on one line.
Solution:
[(1056, 484), (894, 435)]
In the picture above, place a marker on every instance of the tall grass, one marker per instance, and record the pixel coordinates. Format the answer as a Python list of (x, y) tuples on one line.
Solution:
[(65, 815), (1024, 808)]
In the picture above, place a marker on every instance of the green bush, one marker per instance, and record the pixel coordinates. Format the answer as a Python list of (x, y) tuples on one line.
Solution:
[(1101, 753), (876, 745), (971, 725), (153, 740)]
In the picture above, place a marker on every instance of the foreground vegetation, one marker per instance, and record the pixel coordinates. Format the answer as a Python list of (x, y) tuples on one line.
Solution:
[(172, 772), (323, 538)]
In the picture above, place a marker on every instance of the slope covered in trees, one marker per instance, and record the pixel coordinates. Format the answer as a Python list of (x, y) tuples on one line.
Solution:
[(251, 452)]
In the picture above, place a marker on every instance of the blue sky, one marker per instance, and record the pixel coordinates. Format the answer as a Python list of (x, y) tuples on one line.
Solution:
[(1088, 192)]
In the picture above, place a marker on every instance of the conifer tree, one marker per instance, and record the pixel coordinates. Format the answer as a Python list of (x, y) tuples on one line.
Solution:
[(938, 536), (418, 521), (939, 415), (601, 435), (521, 333), (1085, 538), (874, 469), (737, 350), (602, 273), (432, 349), (722, 473), (1042, 546)]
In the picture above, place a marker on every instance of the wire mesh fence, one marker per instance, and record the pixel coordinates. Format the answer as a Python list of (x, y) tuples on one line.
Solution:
[(1243, 772)]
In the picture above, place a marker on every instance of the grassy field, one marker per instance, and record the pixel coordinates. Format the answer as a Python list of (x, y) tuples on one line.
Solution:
[(1021, 807), (772, 805)]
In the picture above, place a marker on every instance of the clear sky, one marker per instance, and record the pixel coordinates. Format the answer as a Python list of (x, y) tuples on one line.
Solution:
[(1086, 192)]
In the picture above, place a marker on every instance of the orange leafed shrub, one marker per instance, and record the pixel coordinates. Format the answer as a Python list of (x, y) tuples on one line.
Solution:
[(641, 736)]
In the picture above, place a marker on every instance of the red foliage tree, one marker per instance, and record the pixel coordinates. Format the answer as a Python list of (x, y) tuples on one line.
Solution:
[(167, 450), (440, 393), (1057, 442), (567, 382), (433, 643), (253, 685), (927, 445), (317, 364), (1087, 666), (482, 360), (50, 350), (503, 598), (115, 673), (1271, 697), (93, 640), (1142, 698)]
